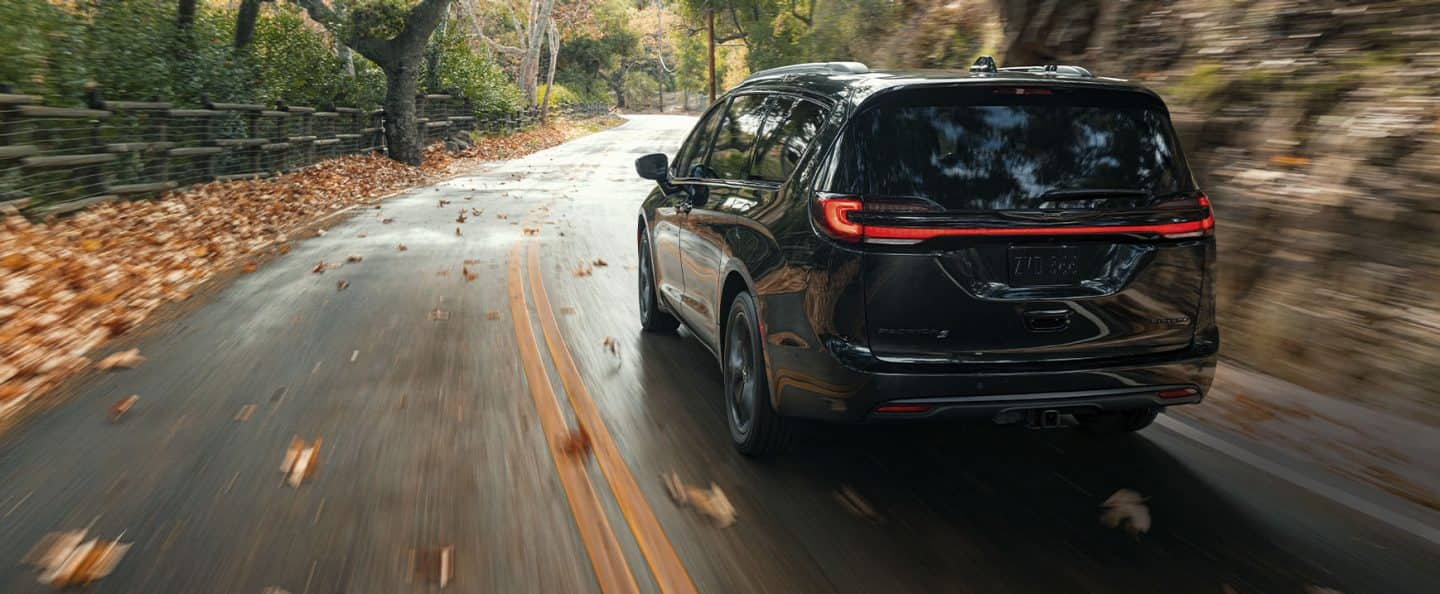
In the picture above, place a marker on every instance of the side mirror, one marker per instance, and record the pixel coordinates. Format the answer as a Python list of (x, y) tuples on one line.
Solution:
[(654, 166)]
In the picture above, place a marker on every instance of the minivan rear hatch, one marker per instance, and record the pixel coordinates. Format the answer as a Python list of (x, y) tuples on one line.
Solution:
[(1003, 222)]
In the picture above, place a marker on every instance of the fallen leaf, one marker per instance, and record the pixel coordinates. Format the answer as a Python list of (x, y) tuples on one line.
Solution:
[(301, 460), (457, 231), (711, 502), (611, 345), (353, 258), (319, 267), (320, 232), (401, 247), (576, 442), (492, 315), (855, 504), (244, 413), (121, 360), (386, 221), (284, 249), (600, 262), (439, 314), (1126, 509), (434, 565), (248, 268), (584, 271), (342, 285), (502, 216), (531, 230), (122, 406), (461, 218), (469, 276), (567, 310), (65, 561)]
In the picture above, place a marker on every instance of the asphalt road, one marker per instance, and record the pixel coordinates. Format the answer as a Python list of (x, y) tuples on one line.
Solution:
[(446, 430)]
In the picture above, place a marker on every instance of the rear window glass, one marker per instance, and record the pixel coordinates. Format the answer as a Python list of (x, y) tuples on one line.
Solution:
[(979, 150)]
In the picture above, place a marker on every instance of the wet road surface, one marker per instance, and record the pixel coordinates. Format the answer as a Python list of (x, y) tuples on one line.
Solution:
[(441, 388)]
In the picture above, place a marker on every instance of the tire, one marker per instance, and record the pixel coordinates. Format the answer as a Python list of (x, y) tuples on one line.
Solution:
[(1128, 421), (652, 318), (755, 428)]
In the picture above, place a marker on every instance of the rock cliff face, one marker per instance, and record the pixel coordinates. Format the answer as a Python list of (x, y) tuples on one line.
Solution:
[(1315, 127)]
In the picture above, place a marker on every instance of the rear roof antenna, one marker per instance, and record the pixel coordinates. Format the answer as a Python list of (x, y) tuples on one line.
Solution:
[(983, 64)]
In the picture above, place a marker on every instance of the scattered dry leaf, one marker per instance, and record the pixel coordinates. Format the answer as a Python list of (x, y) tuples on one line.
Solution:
[(434, 565), (386, 221), (320, 232), (352, 258), (284, 249), (567, 310), (342, 285), (584, 270), (855, 504), (319, 267), (457, 231), (249, 267), (712, 502), (611, 345), (531, 230), (1126, 509), (122, 406), (301, 460), (244, 413), (600, 262), (401, 247), (461, 218), (439, 314), (121, 360), (492, 315), (443, 202), (502, 216), (576, 442), (66, 559), (469, 276)]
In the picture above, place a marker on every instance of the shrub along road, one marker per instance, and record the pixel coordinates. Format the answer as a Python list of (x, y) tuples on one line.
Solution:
[(433, 387)]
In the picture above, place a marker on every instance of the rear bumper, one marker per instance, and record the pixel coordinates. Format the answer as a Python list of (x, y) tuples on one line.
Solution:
[(818, 385)]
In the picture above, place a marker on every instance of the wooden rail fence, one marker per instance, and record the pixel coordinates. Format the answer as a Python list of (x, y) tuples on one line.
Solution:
[(59, 159)]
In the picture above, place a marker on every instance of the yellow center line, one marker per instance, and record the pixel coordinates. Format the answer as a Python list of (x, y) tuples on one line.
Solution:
[(611, 571), (669, 573)]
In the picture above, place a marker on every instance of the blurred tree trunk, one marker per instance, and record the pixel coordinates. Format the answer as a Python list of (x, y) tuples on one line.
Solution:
[(185, 14), (553, 38), (530, 33), (400, 58), (245, 22)]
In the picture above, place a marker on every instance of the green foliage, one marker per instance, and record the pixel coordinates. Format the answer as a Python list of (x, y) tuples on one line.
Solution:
[(471, 73), (559, 95), (382, 19), (296, 64)]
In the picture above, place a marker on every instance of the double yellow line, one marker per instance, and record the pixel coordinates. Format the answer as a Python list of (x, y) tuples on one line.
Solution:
[(611, 570)]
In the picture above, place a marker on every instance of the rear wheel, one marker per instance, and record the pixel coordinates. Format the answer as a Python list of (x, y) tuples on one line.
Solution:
[(755, 428), (652, 318), (1127, 421)]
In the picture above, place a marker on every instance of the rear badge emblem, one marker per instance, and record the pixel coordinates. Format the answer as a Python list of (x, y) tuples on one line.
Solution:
[(936, 334), (1180, 321)]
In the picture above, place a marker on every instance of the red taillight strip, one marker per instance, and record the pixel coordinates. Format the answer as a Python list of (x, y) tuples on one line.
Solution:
[(837, 211)]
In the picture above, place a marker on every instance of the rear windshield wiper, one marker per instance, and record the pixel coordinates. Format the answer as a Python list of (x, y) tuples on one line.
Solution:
[(1093, 194)]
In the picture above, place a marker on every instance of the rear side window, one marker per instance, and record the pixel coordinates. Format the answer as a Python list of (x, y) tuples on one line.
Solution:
[(791, 125), (689, 162), (730, 156), (984, 150)]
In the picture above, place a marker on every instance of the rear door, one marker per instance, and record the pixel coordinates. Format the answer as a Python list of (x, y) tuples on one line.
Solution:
[(1013, 223)]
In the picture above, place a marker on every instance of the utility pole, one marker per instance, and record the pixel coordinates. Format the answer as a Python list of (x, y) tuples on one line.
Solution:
[(710, 16)]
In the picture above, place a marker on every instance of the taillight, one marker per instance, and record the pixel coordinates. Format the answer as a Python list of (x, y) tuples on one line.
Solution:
[(1177, 393), (836, 216), (903, 408), (837, 223)]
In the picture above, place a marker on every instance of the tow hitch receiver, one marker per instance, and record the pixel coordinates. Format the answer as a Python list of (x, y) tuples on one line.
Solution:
[(1045, 419)]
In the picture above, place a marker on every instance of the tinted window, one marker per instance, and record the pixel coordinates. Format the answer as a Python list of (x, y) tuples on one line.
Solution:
[(986, 151), (790, 127), (692, 153), (730, 156)]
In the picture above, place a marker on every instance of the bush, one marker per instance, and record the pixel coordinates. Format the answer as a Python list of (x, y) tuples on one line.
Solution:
[(560, 95), (472, 74)]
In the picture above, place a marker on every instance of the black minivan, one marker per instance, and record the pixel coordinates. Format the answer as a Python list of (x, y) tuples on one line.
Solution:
[(1013, 245)]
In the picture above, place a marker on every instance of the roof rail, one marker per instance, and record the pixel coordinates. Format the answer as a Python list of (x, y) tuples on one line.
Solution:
[(1053, 69), (814, 67)]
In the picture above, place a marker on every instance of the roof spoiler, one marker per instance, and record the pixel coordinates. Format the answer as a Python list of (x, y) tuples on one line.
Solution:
[(814, 68)]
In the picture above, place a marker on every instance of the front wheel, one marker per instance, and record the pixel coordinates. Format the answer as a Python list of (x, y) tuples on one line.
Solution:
[(755, 428), (652, 318)]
